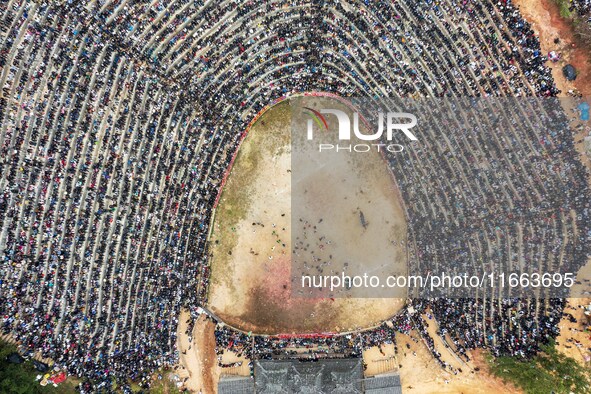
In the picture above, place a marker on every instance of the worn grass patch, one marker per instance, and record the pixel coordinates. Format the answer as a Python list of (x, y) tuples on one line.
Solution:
[(265, 139)]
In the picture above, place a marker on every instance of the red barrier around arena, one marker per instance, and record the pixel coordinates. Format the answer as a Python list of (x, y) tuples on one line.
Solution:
[(308, 336)]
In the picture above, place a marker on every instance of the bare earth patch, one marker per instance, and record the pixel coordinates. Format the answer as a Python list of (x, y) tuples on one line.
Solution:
[(421, 374), (251, 278), (544, 16), (198, 369)]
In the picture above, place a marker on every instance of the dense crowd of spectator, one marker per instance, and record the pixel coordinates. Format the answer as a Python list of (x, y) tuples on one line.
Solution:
[(582, 8), (119, 119)]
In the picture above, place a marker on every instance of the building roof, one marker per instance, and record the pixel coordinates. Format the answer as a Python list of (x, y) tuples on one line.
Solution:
[(384, 384), (235, 385), (337, 376)]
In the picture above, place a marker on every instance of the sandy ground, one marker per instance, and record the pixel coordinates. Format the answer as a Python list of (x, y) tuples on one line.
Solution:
[(198, 364), (253, 286), (420, 373), (574, 339), (200, 368)]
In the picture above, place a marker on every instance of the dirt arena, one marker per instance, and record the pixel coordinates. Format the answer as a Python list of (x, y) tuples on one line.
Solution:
[(251, 278)]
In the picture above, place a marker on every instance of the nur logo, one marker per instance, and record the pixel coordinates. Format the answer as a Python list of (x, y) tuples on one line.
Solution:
[(392, 123)]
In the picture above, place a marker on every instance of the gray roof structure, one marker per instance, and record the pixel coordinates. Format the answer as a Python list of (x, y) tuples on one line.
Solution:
[(324, 376), (335, 376), (383, 384), (235, 385)]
